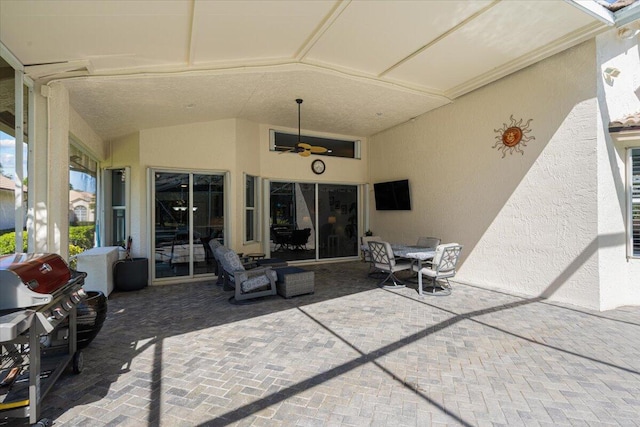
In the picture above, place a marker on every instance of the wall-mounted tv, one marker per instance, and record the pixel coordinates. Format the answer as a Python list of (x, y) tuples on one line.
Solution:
[(392, 195)]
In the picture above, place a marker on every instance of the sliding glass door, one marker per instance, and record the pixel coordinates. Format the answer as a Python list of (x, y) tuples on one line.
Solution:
[(338, 218), (188, 213), (313, 221)]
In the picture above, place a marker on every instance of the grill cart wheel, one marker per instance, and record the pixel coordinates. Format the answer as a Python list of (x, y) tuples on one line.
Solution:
[(78, 362)]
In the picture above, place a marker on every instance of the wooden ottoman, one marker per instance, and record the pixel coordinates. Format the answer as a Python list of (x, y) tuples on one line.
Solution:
[(294, 281)]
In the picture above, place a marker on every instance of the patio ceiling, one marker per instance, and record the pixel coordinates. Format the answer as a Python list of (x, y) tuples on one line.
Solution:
[(360, 66)]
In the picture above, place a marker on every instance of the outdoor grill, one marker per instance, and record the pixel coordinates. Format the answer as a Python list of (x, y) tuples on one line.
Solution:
[(38, 293)]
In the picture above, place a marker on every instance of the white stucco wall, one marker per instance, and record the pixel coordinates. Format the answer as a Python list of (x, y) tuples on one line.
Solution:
[(618, 97), (247, 161), (207, 147), (81, 132), (528, 222), (234, 146)]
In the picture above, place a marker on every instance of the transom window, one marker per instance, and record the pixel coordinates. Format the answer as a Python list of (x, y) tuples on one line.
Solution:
[(282, 141)]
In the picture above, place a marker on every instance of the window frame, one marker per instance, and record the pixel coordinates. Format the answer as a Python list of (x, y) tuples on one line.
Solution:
[(255, 237), (108, 207), (23, 204), (77, 147)]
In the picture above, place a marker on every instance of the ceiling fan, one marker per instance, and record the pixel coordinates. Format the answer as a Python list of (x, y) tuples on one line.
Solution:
[(302, 148)]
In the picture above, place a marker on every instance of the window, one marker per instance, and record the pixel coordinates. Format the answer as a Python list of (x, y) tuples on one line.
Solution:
[(634, 202), (83, 174), (116, 198), (280, 141), (313, 221), (250, 212), (81, 213), (188, 213)]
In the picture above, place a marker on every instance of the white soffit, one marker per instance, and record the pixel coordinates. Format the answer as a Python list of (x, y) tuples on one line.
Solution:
[(540, 23)]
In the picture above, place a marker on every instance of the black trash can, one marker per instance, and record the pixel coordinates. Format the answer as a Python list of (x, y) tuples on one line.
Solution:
[(131, 274)]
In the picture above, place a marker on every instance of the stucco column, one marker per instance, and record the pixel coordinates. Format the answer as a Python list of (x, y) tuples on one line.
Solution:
[(58, 170), (38, 176)]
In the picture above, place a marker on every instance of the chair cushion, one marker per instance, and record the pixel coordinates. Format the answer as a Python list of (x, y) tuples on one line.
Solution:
[(428, 272), (219, 252), (231, 262), (255, 283), (401, 265), (214, 244)]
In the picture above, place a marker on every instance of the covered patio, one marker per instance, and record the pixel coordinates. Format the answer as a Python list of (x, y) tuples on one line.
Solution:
[(353, 354)]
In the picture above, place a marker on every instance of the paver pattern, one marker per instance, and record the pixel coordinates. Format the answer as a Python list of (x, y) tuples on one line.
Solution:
[(352, 354)]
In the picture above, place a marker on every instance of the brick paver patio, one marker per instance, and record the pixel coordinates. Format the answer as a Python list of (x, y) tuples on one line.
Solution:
[(352, 354)]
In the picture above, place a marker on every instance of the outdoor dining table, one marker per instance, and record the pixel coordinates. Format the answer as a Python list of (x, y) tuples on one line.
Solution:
[(417, 253)]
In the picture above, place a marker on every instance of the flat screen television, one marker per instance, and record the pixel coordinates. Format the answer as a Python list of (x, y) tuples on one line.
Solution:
[(392, 195)]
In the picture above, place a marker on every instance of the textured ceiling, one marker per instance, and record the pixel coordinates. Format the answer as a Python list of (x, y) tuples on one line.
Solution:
[(360, 66)]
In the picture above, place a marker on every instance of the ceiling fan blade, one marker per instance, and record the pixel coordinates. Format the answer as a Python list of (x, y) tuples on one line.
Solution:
[(303, 145), (305, 153), (284, 149), (318, 150)]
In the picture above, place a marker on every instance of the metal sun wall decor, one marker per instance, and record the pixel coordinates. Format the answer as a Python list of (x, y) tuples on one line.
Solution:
[(513, 136)]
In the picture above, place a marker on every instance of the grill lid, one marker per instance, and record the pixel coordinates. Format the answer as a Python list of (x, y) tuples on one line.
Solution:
[(31, 279)]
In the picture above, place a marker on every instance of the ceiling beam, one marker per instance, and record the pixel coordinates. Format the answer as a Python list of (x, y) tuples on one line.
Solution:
[(326, 23), (440, 37), (191, 44)]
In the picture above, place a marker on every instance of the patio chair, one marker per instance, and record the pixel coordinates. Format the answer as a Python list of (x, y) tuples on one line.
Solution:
[(281, 237), (443, 266), (366, 253), (385, 261), (248, 284), (428, 242), (425, 242), (299, 239), (214, 245)]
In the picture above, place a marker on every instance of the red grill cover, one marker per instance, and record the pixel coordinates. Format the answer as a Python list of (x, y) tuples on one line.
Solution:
[(42, 273)]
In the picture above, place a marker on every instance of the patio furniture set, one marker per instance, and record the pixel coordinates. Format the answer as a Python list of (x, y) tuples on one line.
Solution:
[(427, 258), (254, 276)]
